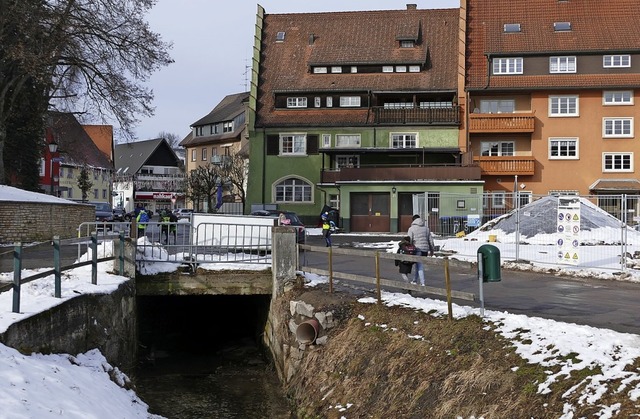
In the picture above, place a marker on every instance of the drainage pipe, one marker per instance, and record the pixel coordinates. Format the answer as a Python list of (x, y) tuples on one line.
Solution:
[(307, 332)]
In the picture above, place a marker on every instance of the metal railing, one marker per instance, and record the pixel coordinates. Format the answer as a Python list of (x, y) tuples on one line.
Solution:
[(92, 259)]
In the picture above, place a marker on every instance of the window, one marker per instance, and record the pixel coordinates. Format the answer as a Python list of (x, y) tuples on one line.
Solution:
[(216, 129), (613, 61), (354, 69), (199, 131), (497, 148), (69, 172), (497, 106), (617, 162), (507, 65), (562, 64), (349, 101), (414, 69), (525, 198), (104, 194), (194, 155), (329, 102), (623, 97), (498, 199), (95, 194), (562, 26), (319, 70), (280, 37), (617, 127), (387, 69), (347, 161), (293, 144), (401, 69), (563, 148), (563, 106), (227, 126), (407, 44), (336, 69), (317, 102), (334, 201), (404, 140), (296, 102), (347, 140), (204, 154), (511, 27), (326, 140), (293, 190)]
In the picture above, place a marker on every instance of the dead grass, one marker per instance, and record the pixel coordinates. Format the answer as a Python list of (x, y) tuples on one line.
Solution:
[(399, 363)]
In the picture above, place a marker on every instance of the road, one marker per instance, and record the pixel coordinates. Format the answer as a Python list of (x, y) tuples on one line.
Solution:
[(595, 302)]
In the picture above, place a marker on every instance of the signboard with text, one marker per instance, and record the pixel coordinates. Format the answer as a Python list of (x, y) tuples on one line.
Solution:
[(568, 230)]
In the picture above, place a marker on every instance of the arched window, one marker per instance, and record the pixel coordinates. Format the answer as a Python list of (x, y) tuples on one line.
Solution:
[(293, 190)]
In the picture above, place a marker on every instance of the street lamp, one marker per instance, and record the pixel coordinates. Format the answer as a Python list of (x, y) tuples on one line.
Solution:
[(53, 147)]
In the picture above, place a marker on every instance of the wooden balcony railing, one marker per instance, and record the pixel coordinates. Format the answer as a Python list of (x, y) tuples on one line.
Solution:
[(401, 173), (418, 116), (503, 122), (506, 165)]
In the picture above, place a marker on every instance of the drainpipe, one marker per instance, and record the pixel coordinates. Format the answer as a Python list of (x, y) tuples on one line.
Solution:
[(264, 163)]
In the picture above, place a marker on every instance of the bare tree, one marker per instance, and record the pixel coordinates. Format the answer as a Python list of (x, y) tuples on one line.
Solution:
[(88, 56), (172, 138)]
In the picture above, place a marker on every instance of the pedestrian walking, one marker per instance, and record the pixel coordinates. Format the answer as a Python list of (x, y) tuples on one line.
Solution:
[(164, 225), (328, 227), (420, 237)]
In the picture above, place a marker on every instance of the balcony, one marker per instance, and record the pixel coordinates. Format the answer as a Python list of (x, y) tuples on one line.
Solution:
[(506, 165), (404, 173), (417, 116), (504, 122)]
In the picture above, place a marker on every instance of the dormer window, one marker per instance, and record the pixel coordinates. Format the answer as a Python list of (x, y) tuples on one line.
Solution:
[(562, 26), (511, 27), (319, 70), (407, 43)]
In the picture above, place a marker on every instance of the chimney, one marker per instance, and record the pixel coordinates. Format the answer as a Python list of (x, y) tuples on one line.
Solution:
[(412, 6)]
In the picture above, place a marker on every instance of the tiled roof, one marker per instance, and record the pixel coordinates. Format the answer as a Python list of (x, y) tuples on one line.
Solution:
[(596, 26), (354, 38), (228, 108), (74, 144), (130, 157)]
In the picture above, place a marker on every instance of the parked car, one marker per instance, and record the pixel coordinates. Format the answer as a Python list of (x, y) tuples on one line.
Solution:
[(290, 219), (183, 212), (119, 214)]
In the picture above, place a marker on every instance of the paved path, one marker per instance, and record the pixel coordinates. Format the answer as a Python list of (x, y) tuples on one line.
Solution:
[(600, 303)]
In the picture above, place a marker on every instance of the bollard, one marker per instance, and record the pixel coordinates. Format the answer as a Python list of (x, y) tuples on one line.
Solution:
[(17, 275), (121, 255), (56, 267), (94, 258)]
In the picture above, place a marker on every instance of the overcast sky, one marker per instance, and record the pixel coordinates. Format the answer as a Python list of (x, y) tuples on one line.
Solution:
[(212, 48)]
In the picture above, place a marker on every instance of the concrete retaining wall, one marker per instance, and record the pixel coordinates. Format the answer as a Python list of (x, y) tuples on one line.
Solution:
[(40, 221), (104, 321)]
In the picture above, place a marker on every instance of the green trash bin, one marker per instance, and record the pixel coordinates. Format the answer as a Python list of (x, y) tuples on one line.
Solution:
[(490, 263)]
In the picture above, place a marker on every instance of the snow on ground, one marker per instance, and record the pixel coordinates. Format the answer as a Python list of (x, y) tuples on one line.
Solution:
[(79, 386)]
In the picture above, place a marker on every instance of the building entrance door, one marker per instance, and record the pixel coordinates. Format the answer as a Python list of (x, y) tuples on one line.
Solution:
[(370, 212)]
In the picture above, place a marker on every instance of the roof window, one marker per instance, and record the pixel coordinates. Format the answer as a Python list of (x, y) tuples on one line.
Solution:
[(511, 27), (562, 26), (280, 37)]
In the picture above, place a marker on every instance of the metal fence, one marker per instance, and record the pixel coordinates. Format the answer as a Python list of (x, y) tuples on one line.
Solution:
[(526, 225)]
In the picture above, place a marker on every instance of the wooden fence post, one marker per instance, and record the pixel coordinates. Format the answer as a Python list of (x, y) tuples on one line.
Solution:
[(17, 275), (56, 267), (94, 258)]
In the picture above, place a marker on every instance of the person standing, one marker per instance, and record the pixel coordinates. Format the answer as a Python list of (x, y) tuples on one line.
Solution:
[(164, 226), (328, 227), (141, 220), (420, 236)]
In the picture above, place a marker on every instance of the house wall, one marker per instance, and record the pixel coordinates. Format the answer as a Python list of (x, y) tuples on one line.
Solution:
[(39, 221)]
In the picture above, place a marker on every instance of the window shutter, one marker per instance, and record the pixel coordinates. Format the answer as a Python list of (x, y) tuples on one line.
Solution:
[(273, 145), (312, 144)]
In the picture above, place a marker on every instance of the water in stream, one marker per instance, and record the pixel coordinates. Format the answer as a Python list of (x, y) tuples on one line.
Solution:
[(202, 369)]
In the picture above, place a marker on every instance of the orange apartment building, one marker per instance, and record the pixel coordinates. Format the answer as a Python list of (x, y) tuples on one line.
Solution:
[(552, 95)]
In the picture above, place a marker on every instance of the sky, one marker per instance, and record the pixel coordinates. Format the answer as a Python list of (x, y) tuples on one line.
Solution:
[(78, 385), (212, 49)]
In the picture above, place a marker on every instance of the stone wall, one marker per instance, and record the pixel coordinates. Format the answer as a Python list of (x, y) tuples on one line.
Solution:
[(40, 221), (104, 321)]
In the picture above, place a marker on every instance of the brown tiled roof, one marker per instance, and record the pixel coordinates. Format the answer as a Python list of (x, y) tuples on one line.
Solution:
[(102, 136), (596, 26), (353, 38), (74, 144)]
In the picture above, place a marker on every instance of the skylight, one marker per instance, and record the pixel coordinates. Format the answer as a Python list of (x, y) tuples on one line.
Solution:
[(562, 26), (280, 37), (511, 27)]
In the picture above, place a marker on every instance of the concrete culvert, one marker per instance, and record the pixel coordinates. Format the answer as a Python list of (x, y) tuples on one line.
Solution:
[(307, 332)]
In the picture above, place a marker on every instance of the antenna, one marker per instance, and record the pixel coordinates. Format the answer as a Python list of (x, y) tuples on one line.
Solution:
[(247, 71)]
